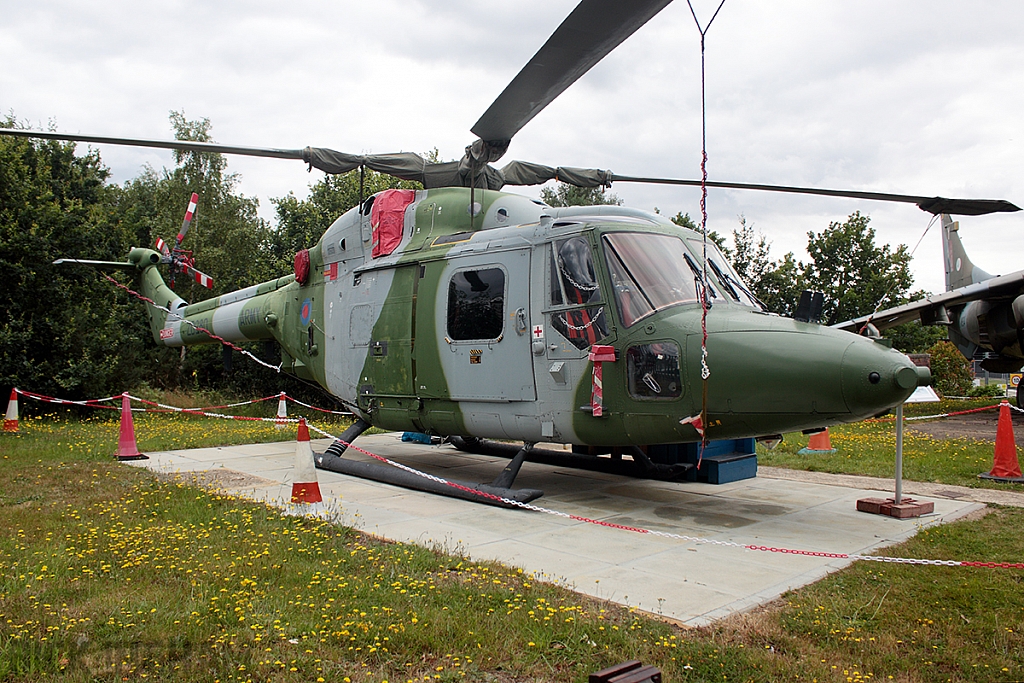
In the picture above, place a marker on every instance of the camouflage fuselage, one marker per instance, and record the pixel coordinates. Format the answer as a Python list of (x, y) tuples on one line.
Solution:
[(484, 328)]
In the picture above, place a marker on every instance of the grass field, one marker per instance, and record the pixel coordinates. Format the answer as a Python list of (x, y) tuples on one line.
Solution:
[(868, 448), (110, 573)]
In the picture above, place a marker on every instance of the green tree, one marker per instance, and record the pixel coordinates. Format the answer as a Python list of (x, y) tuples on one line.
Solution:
[(855, 275), (777, 284), (683, 220), (569, 195), (227, 233), (952, 372), (780, 285), (913, 337), (64, 331), (750, 253), (227, 238)]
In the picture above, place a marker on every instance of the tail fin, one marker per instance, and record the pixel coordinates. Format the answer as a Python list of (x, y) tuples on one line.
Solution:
[(960, 272)]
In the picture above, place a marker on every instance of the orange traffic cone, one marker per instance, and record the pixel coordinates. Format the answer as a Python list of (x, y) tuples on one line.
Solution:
[(1005, 466), (818, 443), (11, 420), (126, 448), (282, 411), (305, 488)]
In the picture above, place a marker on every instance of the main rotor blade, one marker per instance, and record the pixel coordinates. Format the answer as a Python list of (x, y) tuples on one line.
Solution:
[(934, 205), (183, 145), (538, 174), (591, 31)]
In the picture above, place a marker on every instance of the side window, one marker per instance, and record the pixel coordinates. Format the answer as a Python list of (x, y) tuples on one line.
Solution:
[(574, 283), (653, 370), (573, 278), (476, 304)]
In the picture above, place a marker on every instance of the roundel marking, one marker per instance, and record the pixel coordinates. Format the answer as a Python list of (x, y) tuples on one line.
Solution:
[(306, 311), (958, 264)]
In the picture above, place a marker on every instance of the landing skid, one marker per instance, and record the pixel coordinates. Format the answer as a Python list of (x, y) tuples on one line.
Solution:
[(497, 490), (640, 466)]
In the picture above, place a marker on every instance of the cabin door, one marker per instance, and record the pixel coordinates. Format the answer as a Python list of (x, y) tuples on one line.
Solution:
[(482, 319)]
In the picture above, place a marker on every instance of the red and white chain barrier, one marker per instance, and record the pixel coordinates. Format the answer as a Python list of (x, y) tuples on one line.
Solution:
[(322, 410), (94, 403), (205, 412), (664, 534), (939, 415), (89, 403), (97, 403)]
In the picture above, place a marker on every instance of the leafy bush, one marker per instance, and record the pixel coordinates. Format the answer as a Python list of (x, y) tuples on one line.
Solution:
[(952, 372), (990, 390)]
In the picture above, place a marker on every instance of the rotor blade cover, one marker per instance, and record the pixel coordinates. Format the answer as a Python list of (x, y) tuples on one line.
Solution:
[(526, 173), (404, 165), (591, 31)]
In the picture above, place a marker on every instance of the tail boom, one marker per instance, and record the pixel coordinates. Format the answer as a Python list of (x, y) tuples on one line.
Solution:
[(246, 315)]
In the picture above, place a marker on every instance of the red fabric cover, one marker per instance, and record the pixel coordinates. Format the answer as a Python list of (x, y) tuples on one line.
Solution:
[(302, 266), (388, 219)]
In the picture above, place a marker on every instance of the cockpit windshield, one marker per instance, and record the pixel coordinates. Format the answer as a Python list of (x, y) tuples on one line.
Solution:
[(723, 272), (649, 273)]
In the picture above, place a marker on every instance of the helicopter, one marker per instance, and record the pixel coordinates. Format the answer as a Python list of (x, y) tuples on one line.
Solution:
[(467, 312), (984, 314)]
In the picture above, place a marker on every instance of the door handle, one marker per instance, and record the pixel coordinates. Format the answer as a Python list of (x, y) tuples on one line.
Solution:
[(521, 325)]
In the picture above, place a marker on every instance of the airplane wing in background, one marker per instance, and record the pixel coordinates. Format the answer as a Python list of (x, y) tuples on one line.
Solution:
[(933, 310)]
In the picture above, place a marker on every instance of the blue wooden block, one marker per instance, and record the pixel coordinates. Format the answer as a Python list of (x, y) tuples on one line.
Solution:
[(724, 460), (722, 470)]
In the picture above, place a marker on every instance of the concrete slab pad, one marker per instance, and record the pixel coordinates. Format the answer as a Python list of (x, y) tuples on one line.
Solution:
[(678, 577), (666, 596), (544, 563), (350, 488), (586, 540), (776, 492), (437, 534)]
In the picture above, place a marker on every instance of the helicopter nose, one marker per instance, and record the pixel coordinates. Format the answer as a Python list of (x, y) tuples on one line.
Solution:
[(874, 375)]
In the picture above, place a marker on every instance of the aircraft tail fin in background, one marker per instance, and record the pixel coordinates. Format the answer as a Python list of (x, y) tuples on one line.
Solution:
[(960, 271)]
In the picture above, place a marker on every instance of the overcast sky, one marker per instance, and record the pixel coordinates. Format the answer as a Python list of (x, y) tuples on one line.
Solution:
[(921, 97)]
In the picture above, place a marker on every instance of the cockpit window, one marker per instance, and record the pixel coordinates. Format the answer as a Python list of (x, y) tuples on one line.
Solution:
[(574, 283), (698, 279), (653, 370), (728, 279), (573, 280), (649, 272)]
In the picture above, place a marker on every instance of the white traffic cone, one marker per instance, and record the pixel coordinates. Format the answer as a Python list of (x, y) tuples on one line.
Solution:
[(305, 487), (282, 411), (11, 419)]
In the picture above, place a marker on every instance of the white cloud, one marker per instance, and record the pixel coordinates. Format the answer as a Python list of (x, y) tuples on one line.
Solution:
[(915, 97)]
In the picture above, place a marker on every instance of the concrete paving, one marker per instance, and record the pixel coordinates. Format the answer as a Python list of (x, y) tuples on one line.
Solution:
[(689, 582)]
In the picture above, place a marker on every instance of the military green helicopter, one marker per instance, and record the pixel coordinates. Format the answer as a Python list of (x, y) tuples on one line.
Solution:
[(467, 312)]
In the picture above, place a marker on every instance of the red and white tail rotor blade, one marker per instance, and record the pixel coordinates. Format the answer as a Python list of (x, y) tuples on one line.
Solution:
[(188, 218), (202, 278), (161, 246)]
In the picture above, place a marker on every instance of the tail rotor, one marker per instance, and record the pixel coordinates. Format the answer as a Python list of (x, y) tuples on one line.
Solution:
[(181, 260)]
